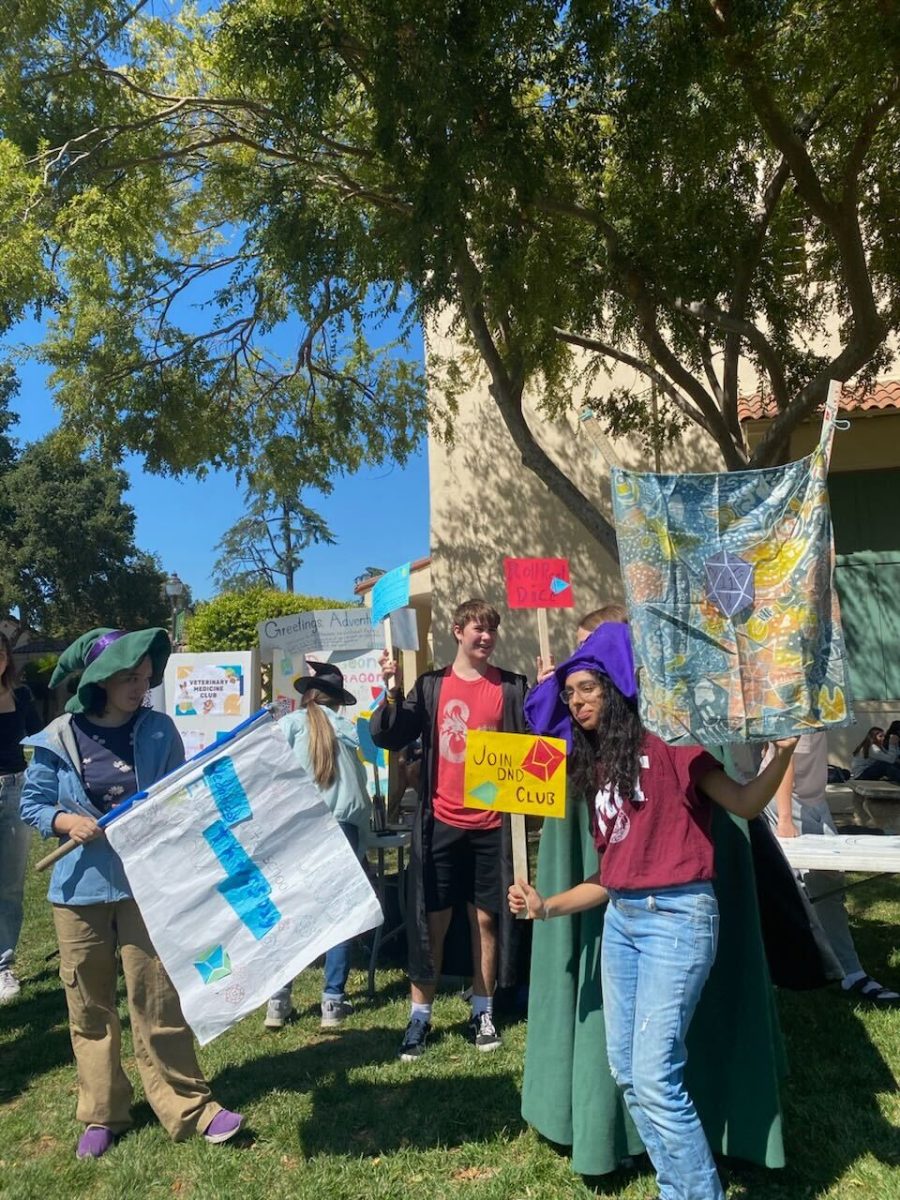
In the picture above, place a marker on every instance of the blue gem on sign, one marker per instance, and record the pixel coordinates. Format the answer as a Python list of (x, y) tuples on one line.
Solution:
[(214, 965), (558, 585), (729, 582), (485, 793)]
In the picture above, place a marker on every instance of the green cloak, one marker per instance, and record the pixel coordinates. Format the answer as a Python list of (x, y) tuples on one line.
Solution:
[(735, 1053)]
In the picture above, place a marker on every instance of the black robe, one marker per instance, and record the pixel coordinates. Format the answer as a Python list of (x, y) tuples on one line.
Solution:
[(394, 726)]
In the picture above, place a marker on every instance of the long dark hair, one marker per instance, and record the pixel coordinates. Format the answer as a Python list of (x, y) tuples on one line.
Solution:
[(610, 755), (866, 744), (8, 678)]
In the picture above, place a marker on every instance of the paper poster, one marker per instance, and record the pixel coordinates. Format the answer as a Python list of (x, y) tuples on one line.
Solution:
[(320, 631), (209, 690), (404, 629), (538, 583), (362, 678), (515, 773), (242, 876), (391, 591), (208, 694)]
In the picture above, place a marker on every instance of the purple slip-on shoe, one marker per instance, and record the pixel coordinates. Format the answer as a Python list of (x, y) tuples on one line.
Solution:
[(95, 1141), (223, 1126)]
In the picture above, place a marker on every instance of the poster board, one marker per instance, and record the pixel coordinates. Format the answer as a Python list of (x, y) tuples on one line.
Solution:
[(516, 773), (208, 694), (319, 631), (242, 876)]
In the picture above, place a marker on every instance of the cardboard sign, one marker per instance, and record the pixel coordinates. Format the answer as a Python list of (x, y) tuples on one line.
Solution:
[(320, 631), (404, 630), (538, 583), (391, 591), (515, 773)]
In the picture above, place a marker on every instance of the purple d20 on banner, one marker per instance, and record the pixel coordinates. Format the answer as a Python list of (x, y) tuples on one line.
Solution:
[(729, 582)]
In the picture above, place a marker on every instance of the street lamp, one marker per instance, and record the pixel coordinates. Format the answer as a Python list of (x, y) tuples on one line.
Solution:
[(174, 590)]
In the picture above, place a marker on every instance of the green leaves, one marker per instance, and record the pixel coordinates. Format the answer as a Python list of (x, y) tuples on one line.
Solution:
[(69, 559)]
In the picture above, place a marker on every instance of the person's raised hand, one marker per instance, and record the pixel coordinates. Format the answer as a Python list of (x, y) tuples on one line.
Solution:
[(522, 897), (789, 744), (542, 671), (388, 667)]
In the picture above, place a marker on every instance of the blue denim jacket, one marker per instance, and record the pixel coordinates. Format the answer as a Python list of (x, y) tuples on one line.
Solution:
[(92, 874)]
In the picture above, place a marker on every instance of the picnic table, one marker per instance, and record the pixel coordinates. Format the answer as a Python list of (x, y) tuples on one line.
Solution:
[(843, 852)]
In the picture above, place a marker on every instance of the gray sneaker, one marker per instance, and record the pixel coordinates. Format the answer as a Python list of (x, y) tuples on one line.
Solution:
[(334, 1012), (9, 986), (278, 1012)]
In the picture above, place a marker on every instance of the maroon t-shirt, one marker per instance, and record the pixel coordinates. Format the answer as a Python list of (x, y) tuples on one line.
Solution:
[(661, 837)]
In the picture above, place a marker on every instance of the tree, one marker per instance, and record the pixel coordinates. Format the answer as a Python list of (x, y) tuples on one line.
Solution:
[(229, 621), (70, 562), (267, 542), (682, 187)]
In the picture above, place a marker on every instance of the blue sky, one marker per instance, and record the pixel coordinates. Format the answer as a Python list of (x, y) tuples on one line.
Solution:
[(181, 520)]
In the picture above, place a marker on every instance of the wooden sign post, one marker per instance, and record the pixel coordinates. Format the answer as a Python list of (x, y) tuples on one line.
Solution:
[(538, 583)]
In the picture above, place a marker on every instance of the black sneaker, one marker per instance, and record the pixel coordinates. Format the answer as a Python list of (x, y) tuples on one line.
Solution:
[(483, 1032), (414, 1040)]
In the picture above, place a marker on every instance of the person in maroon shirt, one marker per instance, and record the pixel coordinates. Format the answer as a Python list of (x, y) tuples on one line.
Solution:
[(651, 815)]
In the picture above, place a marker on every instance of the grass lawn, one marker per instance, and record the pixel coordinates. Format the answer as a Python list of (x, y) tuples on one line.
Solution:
[(335, 1115)]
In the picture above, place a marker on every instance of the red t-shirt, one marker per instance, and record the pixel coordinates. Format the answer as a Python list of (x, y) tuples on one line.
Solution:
[(463, 704), (661, 837)]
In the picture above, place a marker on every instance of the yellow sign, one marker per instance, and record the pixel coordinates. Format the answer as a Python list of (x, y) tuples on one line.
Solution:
[(515, 773)]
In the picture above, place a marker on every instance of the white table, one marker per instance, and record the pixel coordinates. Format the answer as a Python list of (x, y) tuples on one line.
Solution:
[(844, 852)]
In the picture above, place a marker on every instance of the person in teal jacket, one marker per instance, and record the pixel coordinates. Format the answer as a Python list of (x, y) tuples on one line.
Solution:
[(326, 745), (106, 747)]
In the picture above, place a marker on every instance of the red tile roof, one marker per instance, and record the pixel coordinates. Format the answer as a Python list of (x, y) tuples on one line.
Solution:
[(881, 396)]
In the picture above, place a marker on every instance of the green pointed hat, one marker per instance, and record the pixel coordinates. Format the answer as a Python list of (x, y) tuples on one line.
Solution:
[(100, 653)]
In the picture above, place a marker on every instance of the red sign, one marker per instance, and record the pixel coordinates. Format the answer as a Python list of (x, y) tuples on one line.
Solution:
[(538, 583)]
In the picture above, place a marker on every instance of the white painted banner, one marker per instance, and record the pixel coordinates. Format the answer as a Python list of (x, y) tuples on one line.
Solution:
[(242, 876)]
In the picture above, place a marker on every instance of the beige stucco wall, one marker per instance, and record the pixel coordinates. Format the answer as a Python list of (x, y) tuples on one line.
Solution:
[(485, 506)]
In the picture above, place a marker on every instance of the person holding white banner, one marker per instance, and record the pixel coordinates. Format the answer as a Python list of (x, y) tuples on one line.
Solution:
[(102, 750), (327, 747)]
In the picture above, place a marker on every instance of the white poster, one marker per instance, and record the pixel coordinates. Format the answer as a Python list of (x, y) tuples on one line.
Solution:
[(242, 876), (208, 694), (321, 631)]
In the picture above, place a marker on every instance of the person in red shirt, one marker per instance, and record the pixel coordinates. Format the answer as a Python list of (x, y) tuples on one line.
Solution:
[(459, 861), (652, 815)]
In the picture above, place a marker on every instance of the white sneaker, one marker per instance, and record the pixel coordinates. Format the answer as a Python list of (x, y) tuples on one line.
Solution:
[(278, 1012), (9, 986)]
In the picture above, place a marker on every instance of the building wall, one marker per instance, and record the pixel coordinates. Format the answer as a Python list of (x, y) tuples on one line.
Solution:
[(485, 505)]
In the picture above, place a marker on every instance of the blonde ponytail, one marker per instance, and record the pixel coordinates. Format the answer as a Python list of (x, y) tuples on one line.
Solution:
[(322, 740)]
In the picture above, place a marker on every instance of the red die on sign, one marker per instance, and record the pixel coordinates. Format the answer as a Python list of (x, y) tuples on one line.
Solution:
[(542, 760)]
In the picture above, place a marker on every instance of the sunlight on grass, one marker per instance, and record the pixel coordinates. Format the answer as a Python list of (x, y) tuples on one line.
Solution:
[(336, 1115)]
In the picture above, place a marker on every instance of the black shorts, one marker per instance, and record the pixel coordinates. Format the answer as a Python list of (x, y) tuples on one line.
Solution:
[(463, 864)]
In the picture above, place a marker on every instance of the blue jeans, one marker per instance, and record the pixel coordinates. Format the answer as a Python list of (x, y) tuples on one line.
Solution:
[(657, 950), (337, 960), (15, 837)]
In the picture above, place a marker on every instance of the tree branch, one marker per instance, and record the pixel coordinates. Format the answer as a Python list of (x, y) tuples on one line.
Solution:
[(507, 393)]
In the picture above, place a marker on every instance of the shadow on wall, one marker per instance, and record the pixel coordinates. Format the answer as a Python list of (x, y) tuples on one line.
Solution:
[(485, 505)]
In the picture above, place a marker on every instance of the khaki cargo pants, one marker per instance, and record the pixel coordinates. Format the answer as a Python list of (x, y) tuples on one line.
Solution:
[(89, 936)]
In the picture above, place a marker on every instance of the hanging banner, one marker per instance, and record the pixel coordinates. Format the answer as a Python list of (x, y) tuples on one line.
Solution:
[(538, 583), (515, 773), (242, 876), (731, 599), (391, 591)]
